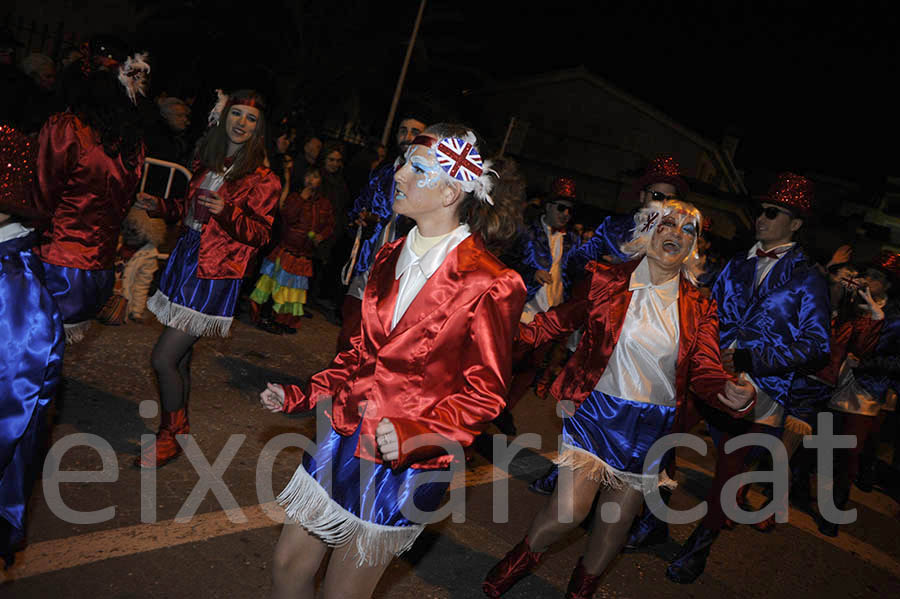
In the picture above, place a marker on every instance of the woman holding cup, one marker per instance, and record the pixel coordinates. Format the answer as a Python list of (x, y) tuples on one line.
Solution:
[(227, 216)]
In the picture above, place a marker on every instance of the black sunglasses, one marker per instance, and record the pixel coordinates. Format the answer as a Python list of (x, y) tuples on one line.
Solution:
[(772, 213), (564, 208), (658, 196)]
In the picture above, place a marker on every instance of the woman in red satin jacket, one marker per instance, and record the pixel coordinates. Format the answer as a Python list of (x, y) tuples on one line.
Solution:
[(426, 371), (87, 169), (649, 335), (227, 215)]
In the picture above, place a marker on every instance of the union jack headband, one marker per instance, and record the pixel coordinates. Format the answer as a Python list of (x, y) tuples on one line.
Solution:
[(462, 162)]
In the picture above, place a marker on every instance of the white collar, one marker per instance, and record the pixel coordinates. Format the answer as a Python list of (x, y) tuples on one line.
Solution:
[(433, 258), (779, 249), (548, 229), (640, 279)]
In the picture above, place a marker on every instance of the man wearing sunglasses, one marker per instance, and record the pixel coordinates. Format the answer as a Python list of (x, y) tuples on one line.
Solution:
[(774, 326), (541, 256)]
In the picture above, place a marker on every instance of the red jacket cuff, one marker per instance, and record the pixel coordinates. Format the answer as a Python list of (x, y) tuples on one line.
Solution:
[(427, 443), (294, 399)]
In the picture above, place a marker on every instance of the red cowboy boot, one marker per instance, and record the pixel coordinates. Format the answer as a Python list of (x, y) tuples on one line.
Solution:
[(165, 447), (516, 565), (582, 585)]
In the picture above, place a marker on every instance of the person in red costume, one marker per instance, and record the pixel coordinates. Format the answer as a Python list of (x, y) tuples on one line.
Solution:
[(648, 335), (88, 166), (306, 220), (227, 215), (431, 360)]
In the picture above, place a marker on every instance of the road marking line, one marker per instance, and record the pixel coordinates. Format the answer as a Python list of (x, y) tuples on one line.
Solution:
[(80, 550)]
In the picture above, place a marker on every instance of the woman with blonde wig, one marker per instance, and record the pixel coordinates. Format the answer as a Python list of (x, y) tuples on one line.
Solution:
[(648, 334)]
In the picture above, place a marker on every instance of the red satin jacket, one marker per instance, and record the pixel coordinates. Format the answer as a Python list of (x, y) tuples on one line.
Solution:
[(442, 372), (230, 238), (84, 193), (601, 304), (858, 336)]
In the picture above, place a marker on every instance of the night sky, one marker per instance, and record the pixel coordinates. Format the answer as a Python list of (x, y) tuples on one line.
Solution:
[(804, 89)]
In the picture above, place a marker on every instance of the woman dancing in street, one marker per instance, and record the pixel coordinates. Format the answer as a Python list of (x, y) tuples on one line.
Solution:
[(432, 357), (648, 334)]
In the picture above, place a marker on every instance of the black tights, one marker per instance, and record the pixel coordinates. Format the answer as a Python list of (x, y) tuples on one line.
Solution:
[(171, 360)]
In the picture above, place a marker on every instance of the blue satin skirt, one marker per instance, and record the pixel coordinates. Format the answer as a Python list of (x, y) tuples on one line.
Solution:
[(180, 284), (32, 342), (619, 431), (79, 293), (379, 495)]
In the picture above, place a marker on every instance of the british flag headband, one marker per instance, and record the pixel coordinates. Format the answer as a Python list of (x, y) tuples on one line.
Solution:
[(461, 161)]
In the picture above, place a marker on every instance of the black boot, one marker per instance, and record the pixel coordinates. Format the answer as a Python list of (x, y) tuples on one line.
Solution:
[(827, 527), (868, 475), (690, 562)]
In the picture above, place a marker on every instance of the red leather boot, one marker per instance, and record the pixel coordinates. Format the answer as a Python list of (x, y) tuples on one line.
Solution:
[(165, 447), (516, 565), (582, 585)]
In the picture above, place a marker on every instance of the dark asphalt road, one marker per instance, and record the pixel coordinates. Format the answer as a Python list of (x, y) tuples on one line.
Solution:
[(210, 555)]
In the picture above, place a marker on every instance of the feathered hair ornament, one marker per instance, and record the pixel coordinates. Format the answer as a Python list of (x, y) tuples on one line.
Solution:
[(645, 222), (133, 75), (216, 113), (460, 162)]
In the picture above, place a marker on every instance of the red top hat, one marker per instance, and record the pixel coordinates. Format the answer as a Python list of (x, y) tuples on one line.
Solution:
[(662, 169), (563, 187), (889, 262), (792, 192)]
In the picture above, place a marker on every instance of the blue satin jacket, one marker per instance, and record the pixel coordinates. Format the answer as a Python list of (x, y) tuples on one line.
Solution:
[(889, 349), (785, 324), (532, 253), (378, 198), (607, 241), (32, 343)]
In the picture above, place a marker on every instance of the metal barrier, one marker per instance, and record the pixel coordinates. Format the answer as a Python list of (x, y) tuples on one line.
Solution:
[(172, 166)]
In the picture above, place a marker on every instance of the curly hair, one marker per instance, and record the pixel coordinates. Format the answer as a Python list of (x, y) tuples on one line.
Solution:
[(213, 147), (499, 223)]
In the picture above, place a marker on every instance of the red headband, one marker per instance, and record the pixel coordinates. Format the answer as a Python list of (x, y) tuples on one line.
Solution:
[(252, 102)]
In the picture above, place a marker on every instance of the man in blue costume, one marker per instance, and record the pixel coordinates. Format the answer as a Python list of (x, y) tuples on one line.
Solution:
[(377, 224), (541, 256), (774, 327)]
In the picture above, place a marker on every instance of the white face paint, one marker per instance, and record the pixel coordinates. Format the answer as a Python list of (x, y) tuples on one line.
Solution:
[(417, 190), (673, 240)]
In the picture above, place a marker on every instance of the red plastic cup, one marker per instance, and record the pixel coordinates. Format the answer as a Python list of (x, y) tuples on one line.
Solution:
[(201, 211)]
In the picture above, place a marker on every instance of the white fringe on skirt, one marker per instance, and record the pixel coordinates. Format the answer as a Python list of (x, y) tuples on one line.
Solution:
[(599, 471), (308, 504), (185, 319), (75, 332)]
